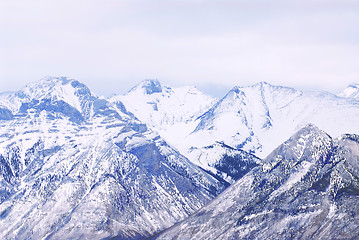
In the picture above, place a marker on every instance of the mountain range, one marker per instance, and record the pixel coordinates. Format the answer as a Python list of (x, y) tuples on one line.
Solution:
[(75, 165), (307, 188), (255, 118)]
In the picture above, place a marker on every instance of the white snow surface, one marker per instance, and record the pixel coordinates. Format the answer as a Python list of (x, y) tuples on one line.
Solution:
[(255, 118), (352, 91), (172, 111), (263, 116), (269, 205), (88, 179)]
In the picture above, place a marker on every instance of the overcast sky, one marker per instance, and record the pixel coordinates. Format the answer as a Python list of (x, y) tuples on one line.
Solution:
[(111, 45)]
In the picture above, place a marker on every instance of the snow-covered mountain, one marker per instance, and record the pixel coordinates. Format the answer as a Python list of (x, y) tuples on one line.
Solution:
[(174, 113), (163, 107), (307, 188), (76, 166), (258, 118), (352, 91), (255, 118), (168, 110), (223, 161)]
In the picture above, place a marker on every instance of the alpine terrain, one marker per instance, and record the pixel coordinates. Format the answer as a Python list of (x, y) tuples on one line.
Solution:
[(255, 118), (76, 166), (175, 163), (352, 91), (307, 188), (174, 113)]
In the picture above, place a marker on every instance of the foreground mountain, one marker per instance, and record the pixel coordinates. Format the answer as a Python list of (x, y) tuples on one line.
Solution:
[(307, 188), (75, 166)]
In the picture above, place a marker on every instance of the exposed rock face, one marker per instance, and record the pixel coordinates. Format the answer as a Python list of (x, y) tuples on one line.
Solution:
[(307, 188), (224, 161), (75, 166), (255, 118)]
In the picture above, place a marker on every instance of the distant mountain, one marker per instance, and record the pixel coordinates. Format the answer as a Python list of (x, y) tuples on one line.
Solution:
[(352, 91), (76, 166), (174, 113), (307, 188), (165, 108), (255, 119), (258, 118)]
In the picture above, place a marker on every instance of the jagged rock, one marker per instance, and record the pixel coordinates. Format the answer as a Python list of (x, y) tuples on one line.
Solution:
[(76, 166), (307, 188)]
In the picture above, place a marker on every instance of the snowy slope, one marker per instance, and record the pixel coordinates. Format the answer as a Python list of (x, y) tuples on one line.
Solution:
[(307, 188), (223, 161), (255, 118), (258, 118), (172, 112), (352, 91), (75, 166), (163, 107)]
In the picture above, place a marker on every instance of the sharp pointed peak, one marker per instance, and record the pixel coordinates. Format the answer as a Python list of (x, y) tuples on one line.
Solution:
[(309, 129), (149, 86)]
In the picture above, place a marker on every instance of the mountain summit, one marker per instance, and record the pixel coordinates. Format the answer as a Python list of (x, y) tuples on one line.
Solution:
[(76, 166), (257, 118), (148, 86), (352, 91), (254, 118), (307, 188)]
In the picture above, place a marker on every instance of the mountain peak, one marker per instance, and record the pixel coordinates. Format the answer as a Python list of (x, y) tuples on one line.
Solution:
[(52, 90), (352, 91), (309, 131), (62, 79), (49, 87), (149, 86), (308, 181), (310, 128), (303, 142), (258, 86), (49, 81)]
